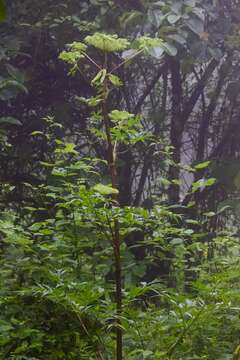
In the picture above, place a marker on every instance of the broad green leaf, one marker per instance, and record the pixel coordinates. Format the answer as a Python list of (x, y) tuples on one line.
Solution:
[(172, 19), (147, 353), (117, 115), (176, 241), (196, 25), (129, 19), (105, 190), (115, 80), (223, 209), (209, 214), (202, 165), (8, 120), (169, 49), (77, 46), (9, 89), (108, 43), (210, 182), (156, 52), (177, 38), (71, 57), (203, 182), (15, 73), (68, 148), (156, 17), (92, 101), (146, 43)]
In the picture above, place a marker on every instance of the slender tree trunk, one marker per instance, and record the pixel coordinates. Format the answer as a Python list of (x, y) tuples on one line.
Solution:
[(176, 130), (125, 162)]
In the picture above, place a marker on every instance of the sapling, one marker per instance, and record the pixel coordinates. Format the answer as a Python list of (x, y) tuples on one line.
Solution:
[(115, 126)]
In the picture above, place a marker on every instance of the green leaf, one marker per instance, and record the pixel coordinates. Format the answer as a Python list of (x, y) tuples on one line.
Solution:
[(9, 89), (69, 148), (108, 43), (155, 17), (169, 49), (115, 80), (176, 241), (15, 73), (209, 214), (147, 353), (117, 115), (8, 120), (105, 190), (156, 52), (130, 18), (146, 43), (70, 57), (223, 209), (6, 83), (210, 182), (202, 165), (196, 25), (77, 46), (202, 183), (5, 326), (37, 132), (100, 77), (92, 101), (172, 19), (177, 38)]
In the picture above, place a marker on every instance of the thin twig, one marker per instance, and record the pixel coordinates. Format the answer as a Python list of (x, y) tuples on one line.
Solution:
[(92, 61), (126, 60)]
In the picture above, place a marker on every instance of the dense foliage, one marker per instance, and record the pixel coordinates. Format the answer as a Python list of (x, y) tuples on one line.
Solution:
[(119, 180)]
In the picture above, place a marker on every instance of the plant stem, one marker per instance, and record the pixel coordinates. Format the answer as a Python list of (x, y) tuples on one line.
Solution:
[(126, 60), (116, 234), (172, 348)]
